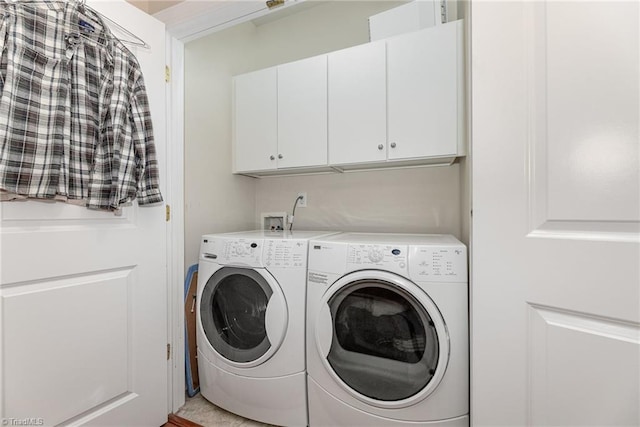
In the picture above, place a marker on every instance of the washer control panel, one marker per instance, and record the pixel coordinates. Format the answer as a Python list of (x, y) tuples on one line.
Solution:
[(285, 253), (384, 257), (257, 253), (244, 252)]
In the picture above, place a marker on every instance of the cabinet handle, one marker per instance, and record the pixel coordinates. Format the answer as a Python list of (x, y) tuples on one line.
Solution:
[(272, 157), (279, 156), (380, 147), (393, 145)]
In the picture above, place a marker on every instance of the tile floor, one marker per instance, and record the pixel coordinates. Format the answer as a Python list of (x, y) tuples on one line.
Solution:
[(205, 413)]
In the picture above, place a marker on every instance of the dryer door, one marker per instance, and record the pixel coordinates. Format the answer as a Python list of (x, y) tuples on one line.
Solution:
[(382, 338), (244, 315)]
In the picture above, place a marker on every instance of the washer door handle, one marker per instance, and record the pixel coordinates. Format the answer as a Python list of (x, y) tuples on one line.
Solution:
[(324, 330), (275, 320)]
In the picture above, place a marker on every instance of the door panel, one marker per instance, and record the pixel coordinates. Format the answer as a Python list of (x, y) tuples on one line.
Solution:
[(569, 352), (556, 213), (83, 296), (585, 109), (92, 328), (592, 110)]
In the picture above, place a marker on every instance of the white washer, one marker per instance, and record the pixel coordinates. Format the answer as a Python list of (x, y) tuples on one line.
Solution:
[(250, 324), (387, 334)]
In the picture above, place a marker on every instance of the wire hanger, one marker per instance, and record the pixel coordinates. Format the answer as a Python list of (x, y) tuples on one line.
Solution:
[(82, 5)]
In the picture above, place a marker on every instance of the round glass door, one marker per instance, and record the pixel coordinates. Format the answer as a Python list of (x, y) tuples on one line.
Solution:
[(233, 312), (389, 343)]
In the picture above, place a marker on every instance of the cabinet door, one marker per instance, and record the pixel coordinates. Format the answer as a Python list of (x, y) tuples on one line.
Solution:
[(255, 121), (357, 105), (424, 75), (302, 113)]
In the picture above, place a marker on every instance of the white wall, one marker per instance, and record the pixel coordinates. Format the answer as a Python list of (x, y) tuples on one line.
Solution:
[(409, 200), (153, 6), (462, 11), (215, 200), (419, 200)]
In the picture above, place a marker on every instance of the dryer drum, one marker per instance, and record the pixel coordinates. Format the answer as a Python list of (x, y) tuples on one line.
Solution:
[(385, 344)]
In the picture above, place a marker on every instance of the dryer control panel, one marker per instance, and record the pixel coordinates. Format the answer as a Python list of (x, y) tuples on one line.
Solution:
[(438, 264), (383, 257)]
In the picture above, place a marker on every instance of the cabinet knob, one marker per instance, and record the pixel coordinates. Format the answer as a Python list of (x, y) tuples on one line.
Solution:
[(272, 157), (380, 147), (393, 145), (279, 156)]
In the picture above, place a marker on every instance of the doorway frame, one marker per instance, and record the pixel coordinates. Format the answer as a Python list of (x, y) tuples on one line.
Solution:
[(185, 22), (192, 20), (175, 225)]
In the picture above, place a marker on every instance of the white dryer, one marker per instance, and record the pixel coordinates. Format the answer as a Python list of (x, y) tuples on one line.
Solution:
[(387, 334), (250, 324)]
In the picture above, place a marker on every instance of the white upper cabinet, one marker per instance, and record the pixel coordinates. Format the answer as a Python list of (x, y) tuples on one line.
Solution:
[(302, 113), (280, 118), (395, 102), (255, 121), (425, 96), (358, 105)]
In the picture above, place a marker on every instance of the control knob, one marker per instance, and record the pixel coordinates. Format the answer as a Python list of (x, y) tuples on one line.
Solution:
[(375, 255)]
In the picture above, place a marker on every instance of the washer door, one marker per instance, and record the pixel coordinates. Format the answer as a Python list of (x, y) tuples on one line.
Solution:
[(382, 338), (244, 315)]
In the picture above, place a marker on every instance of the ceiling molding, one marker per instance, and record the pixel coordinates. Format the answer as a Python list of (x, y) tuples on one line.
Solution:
[(192, 19)]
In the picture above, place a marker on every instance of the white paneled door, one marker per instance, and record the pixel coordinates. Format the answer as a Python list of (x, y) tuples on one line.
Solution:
[(556, 214), (83, 294)]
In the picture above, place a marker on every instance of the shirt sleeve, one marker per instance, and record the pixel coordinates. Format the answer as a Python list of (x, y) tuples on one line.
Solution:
[(3, 37), (147, 173)]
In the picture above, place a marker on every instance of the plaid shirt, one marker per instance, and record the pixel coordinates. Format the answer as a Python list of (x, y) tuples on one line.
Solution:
[(127, 147), (74, 117)]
